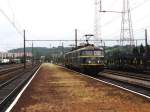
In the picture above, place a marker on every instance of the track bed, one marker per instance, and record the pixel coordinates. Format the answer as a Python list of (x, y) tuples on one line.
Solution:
[(56, 89)]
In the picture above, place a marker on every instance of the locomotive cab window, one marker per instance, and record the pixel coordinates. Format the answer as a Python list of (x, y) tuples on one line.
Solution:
[(89, 53)]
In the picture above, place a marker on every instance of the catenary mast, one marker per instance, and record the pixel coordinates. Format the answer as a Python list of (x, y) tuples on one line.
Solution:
[(97, 34), (126, 35)]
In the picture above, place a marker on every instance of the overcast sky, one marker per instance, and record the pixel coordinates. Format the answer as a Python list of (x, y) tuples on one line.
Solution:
[(57, 19)]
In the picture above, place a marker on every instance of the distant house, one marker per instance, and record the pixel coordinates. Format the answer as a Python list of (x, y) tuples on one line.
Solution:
[(21, 54), (7, 55)]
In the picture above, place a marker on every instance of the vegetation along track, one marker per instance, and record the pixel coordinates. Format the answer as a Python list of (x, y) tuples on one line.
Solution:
[(10, 88)]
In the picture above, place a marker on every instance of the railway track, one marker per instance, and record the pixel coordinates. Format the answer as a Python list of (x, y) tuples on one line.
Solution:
[(131, 86), (10, 88), (136, 83), (7, 73), (9, 66), (10, 69), (142, 80), (129, 74)]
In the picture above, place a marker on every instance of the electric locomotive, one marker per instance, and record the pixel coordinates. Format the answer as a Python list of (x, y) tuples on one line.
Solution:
[(87, 59)]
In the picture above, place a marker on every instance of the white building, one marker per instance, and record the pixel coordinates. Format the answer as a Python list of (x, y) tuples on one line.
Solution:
[(6, 55)]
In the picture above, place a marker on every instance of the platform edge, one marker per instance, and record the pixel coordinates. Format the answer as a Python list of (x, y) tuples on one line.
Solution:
[(21, 92)]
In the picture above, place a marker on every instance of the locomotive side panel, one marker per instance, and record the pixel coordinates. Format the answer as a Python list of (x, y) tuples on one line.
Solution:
[(88, 59)]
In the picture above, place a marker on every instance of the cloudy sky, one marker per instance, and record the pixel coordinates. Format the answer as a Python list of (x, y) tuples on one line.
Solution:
[(57, 19)]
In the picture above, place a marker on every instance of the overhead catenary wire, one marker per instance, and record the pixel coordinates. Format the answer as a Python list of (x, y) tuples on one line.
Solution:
[(110, 22), (113, 19), (112, 4), (10, 6), (14, 15), (135, 7), (10, 21), (139, 5)]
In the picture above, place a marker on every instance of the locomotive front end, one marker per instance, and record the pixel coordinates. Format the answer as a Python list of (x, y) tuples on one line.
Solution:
[(92, 61)]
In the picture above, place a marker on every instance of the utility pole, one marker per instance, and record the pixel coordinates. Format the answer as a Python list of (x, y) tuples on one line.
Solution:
[(62, 48), (24, 35), (146, 46), (136, 43), (76, 37), (146, 38), (146, 43), (97, 21), (104, 48), (62, 53), (32, 55)]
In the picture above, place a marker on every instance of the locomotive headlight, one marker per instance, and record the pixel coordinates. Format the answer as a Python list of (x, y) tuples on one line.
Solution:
[(89, 61)]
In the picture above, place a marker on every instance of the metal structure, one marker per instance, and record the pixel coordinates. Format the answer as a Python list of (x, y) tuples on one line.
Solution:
[(32, 55), (97, 26), (24, 35), (146, 43), (88, 36), (76, 38), (126, 25), (106, 40), (126, 34)]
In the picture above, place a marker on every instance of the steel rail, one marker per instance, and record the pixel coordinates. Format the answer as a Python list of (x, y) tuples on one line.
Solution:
[(14, 85), (127, 86), (129, 75)]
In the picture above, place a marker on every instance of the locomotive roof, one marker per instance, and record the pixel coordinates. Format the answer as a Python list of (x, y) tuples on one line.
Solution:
[(88, 47)]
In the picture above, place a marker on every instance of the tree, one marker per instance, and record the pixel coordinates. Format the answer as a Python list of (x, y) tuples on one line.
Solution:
[(142, 50), (135, 52)]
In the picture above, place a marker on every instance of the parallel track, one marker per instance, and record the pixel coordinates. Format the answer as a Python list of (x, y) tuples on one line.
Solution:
[(138, 83), (127, 86), (10, 88), (129, 74), (141, 80), (9, 66), (10, 69), (10, 72)]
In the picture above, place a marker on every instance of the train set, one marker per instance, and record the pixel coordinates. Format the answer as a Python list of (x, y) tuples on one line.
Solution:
[(91, 59), (88, 58)]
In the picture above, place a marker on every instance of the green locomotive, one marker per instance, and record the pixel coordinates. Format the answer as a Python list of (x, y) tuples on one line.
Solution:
[(87, 59)]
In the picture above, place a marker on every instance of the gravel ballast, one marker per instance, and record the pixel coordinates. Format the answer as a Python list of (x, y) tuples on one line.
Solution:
[(55, 89)]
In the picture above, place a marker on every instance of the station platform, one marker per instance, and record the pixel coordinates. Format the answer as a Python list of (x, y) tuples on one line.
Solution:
[(56, 89)]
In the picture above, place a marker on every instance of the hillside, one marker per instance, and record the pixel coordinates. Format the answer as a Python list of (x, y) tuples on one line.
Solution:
[(43, 51)]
